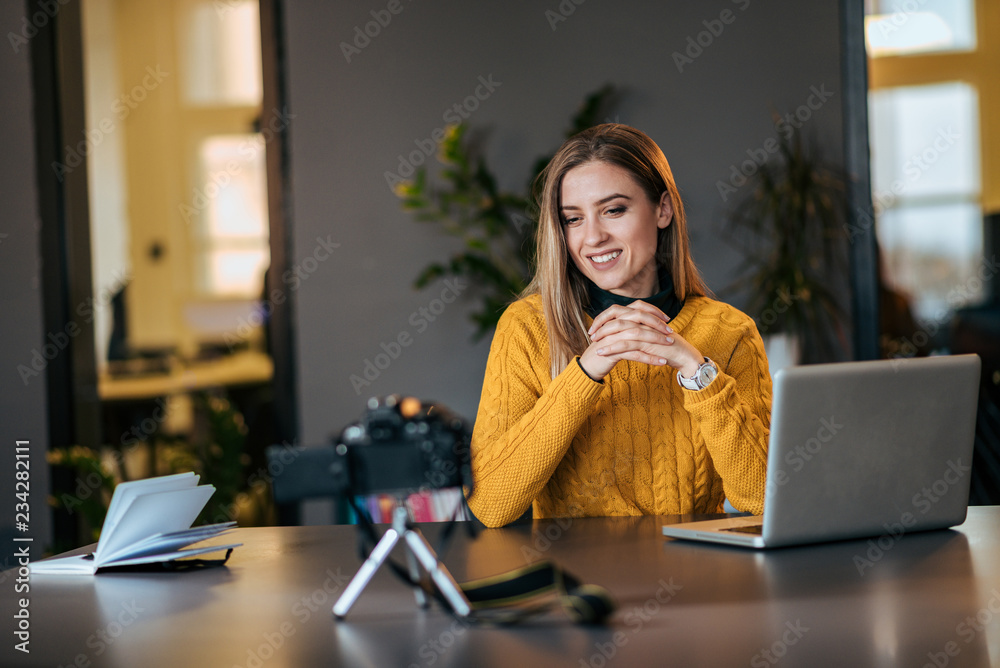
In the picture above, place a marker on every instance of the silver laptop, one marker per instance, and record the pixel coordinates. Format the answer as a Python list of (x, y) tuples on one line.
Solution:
[(861, 449)]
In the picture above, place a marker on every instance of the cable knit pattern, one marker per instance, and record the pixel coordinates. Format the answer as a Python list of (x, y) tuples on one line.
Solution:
[(635, 444)]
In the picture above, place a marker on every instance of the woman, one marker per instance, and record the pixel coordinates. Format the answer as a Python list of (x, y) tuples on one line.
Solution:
[(614, 386)]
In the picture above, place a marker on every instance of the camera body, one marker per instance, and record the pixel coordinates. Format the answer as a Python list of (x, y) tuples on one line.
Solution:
[(402, 445)]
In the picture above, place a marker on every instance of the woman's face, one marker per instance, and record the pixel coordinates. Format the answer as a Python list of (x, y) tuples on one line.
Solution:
[(611, 228)]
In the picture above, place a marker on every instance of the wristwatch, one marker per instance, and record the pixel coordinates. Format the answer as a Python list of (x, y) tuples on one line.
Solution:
[(705, 374)]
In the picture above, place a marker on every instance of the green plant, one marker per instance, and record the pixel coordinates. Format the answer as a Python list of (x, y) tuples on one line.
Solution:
[(217, 453), (791, 229), (95, 484), (497, 227)]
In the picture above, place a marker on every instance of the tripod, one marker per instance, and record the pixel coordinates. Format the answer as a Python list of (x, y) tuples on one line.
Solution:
[(417, 550)]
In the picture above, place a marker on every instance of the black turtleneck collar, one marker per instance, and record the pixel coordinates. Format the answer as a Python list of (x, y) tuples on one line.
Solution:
[(665, 299)]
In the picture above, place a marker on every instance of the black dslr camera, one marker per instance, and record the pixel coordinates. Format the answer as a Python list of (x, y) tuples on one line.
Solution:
[(401, 445)]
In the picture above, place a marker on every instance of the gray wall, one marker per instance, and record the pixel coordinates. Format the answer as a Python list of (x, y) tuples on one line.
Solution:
[(353, 119), (22, 407)]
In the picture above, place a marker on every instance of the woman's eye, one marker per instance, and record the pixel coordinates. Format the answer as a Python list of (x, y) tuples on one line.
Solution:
[(616, 211), (571, 220)]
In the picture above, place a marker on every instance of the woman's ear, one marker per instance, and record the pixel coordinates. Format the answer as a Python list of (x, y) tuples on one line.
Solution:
[(666, 211)]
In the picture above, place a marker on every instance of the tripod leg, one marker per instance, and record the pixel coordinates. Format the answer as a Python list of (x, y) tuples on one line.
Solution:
[(420, 548), (418, 593), (365, 573)]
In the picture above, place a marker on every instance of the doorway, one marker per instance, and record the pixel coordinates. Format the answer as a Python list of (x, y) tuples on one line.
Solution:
[(178, 138)]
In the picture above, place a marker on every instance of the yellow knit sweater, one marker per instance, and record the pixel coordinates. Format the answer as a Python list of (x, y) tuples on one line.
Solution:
[(634, 444)]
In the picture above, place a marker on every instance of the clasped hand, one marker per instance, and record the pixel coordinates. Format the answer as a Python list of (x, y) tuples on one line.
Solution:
[(639, 332)]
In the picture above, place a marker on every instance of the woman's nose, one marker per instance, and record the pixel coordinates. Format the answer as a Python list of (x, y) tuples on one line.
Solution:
[(595, 233)]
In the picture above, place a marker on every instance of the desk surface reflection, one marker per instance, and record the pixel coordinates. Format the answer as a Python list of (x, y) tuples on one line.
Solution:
[(913, 600)]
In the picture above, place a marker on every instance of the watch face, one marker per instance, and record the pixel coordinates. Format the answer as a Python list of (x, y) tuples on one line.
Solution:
[(706, 374)]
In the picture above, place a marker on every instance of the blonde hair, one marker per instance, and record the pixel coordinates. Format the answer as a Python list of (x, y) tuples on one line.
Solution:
[(562, 287)]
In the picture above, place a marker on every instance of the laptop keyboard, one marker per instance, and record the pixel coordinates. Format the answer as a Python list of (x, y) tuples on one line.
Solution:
[(755, 529)]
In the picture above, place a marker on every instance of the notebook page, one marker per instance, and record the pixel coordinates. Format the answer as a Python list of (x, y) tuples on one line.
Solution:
[(163, 543), (170, 556), (126, 492), (150, 514), (76, 565)]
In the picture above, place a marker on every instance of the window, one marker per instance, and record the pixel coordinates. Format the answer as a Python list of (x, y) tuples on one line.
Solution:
[(220, 98), (222, 58), (901, 27), (933, 103), (926, 191), (234, 220)]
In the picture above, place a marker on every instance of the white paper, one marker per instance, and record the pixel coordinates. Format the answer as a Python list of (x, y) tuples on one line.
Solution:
[(126, 492), (166, 542), (150, 514)]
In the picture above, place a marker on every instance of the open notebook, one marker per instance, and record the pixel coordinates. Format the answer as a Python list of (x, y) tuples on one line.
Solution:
[(148, 521)]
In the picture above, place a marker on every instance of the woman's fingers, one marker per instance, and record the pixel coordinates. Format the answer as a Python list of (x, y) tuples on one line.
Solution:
[(597, 364), (638, 332), (642, 339), (651, 347), (640, 305), (621, 325), (628, 339), (620, 318), (617, 311)]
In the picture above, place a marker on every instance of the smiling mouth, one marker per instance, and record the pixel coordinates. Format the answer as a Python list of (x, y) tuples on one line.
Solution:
[(607, 257)]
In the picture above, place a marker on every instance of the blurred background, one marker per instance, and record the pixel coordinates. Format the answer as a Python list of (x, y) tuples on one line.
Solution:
[(229, 222)]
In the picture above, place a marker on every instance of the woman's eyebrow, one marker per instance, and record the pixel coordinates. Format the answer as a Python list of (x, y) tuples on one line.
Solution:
[(603, 200), (611, 197)]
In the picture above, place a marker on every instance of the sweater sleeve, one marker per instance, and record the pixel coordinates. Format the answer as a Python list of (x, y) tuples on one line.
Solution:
[(523, 428), (733, 414)]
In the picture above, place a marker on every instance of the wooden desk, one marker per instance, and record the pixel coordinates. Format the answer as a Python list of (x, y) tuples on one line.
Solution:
[(680, 604)]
